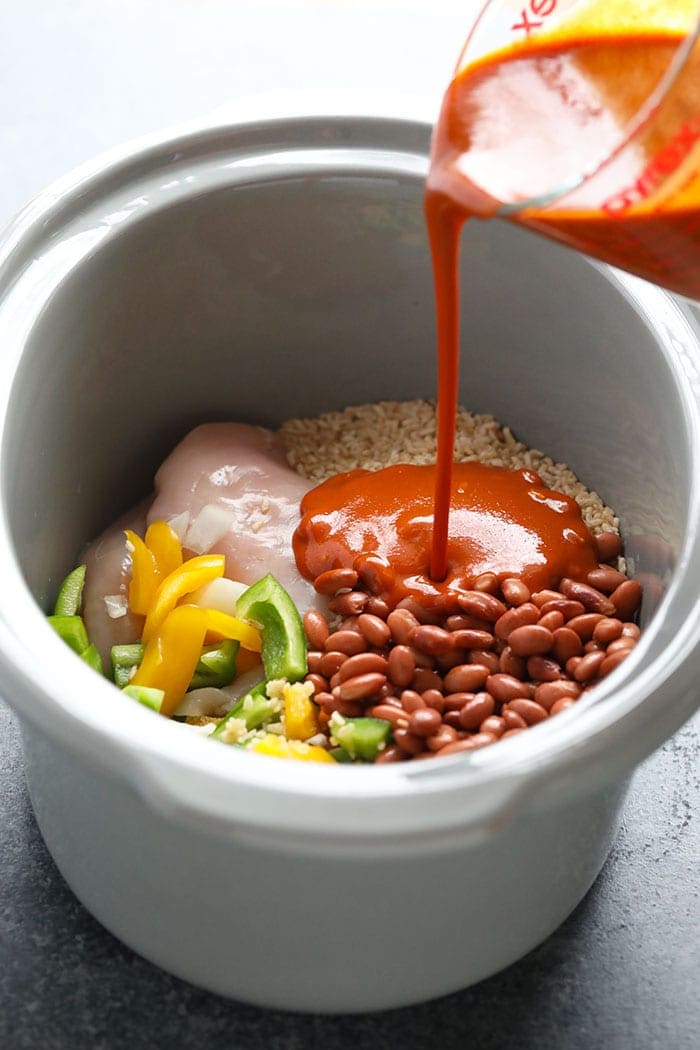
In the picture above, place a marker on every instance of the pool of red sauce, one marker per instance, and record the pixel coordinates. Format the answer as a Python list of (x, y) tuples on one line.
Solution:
[(502, 521)]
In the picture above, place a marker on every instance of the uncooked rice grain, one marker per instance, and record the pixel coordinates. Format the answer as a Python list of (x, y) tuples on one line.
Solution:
[(388, 432)]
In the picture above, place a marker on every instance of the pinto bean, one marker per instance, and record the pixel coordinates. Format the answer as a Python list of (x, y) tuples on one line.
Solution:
[(444, 735), (424, 679), (396, 715), (552, 620), (592, 600), (335, 580), (613, 661), (511, 664), (531, 640), (481, 604), (330, 663), (540, 598), (401, 622), (607, 630), (494, 724), (465, 678), (487, 659), (543, 670), (620, 645), (504, 687), (471, 639), (529, 710), (585, 625), (626, 599), (401, 665), (375, 630), (462, 622), (476, 710), (608, 545), (375, 573), (548, 693), (377, 607), (471, 743), (408, 741), (348, 642), (512, 720), (562, 705), (431, 639), (420, 612), (390, 754), (316, 628), (360, 687), (412, 701), (565, 606), (566, 644), (319, 683), (362, 663), (605, 578), (515, 591), (486, 583), (525, 615), (434, 698), (424, 722), (350, 603), (588, 666)]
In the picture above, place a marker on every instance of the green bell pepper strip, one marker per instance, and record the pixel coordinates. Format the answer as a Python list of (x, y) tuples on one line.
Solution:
[(362, 738), (92, 658), (254, 708), (68, 623), (71, 630), (70, 593), (283, 640), (216, 667), (152, 698)]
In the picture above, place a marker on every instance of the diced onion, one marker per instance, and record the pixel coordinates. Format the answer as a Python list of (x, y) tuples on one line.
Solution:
[(211, 525), (206, 701), (180, 524), (221, 594), (117, 605), (242, 685)]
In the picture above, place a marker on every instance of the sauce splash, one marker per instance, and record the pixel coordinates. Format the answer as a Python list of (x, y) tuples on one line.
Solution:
[(502, 521)]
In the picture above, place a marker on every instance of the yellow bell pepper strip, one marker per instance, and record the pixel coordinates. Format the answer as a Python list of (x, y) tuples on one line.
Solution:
[(191, 575), (144, 574), (300, 712), (224, 626), (164, 544), (171, 655), (278, 747)]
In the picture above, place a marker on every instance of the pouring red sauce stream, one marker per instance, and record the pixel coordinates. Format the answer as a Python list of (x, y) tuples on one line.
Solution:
[(428, 531)]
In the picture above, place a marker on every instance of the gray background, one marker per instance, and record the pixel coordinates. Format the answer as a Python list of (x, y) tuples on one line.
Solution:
[(76, 77)]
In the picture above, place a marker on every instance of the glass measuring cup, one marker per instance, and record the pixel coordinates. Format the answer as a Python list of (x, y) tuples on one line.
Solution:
[(581, 120)]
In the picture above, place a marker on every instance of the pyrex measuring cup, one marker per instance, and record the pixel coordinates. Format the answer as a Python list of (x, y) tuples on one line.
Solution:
[(581, 120)]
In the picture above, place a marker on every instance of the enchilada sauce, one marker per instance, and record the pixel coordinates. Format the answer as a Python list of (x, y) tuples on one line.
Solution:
[(520, 122), (527, 119)]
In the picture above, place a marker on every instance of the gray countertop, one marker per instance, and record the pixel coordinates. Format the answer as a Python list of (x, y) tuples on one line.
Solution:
[(75, 78)]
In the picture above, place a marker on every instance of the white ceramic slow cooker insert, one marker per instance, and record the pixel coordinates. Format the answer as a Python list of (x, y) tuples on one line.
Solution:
[(274, 268)]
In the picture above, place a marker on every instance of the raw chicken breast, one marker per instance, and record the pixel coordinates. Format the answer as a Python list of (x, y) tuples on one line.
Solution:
[(226, 488), (108, 574), (242, 498)]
